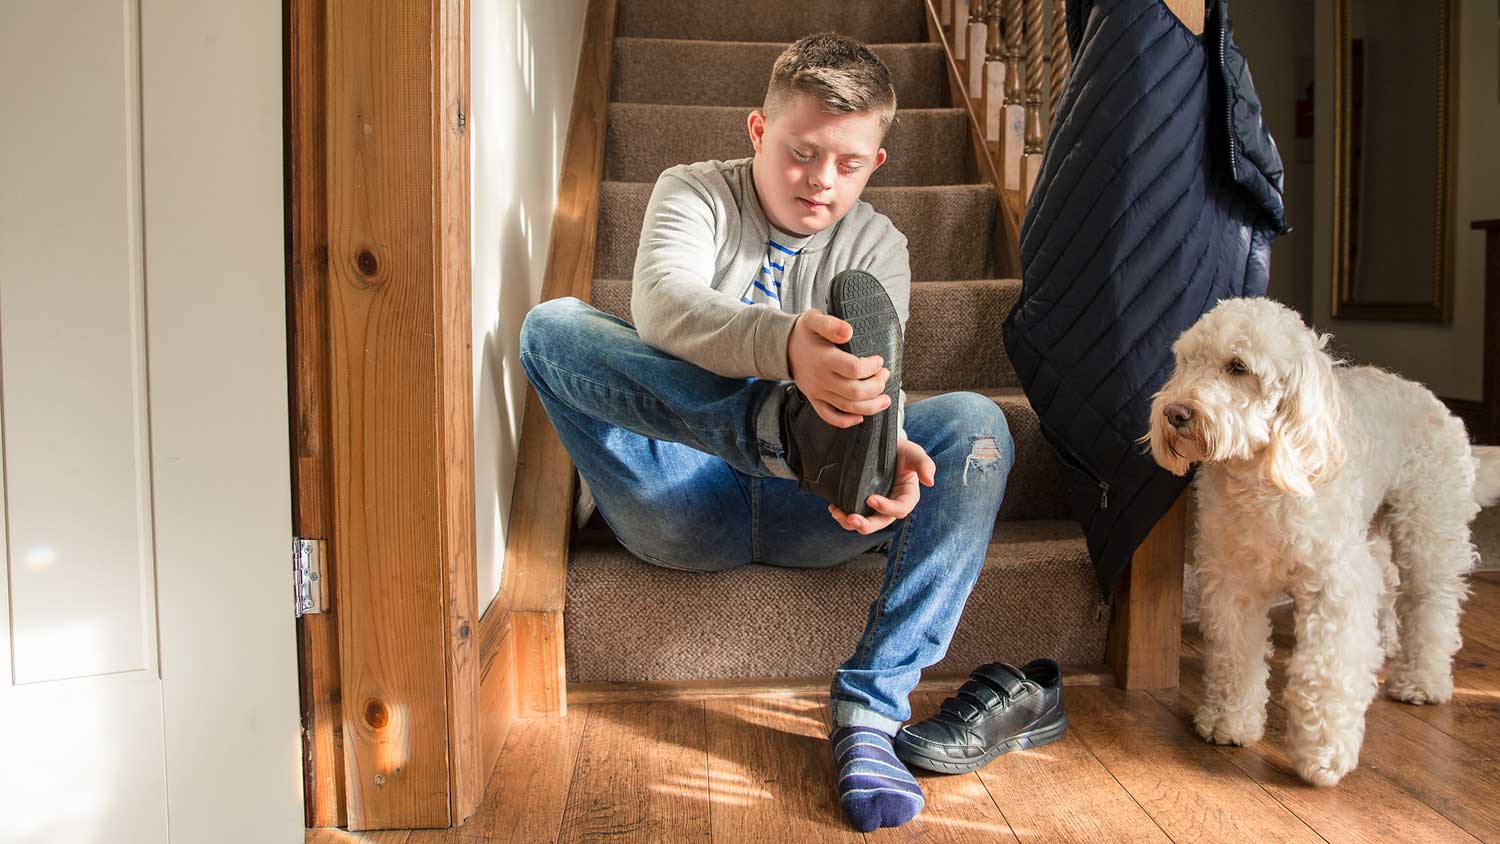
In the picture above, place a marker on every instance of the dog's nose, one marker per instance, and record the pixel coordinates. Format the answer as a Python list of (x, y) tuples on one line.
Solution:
[(1179, 414)]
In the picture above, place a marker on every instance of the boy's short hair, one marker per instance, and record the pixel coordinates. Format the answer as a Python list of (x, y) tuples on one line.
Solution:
[(840, 71)]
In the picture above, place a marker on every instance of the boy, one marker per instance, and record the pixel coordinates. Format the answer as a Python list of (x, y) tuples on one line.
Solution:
[(708, 432)]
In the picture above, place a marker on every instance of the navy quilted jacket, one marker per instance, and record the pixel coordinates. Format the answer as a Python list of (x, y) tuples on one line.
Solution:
[(1159, 195)]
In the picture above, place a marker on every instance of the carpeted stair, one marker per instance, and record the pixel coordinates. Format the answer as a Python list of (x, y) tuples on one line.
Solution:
[(685, 74)]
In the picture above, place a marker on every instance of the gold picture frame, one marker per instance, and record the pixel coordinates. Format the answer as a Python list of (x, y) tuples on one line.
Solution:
[(1346, 305)]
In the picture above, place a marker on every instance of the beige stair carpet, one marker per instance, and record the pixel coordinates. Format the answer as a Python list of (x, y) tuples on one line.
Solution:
[(685, 76)]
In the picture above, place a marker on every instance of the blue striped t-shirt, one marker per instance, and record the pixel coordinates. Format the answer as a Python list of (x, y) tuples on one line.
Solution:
[(765, 287)]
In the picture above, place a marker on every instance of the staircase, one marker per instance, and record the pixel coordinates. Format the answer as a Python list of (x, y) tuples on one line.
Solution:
[(683, 76)]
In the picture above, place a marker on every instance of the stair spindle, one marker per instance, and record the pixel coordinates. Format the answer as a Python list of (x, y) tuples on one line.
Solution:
[(959, 31), (1013, 137), (1060, 62), (945, 15), (1031, 164), (1032, 158), (977, 35), (994, 82)]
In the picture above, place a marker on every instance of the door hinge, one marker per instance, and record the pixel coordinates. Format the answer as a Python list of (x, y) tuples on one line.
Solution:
[(309, 590)]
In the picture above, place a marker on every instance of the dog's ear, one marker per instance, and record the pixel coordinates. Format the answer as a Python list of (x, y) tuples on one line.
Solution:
[(1306, 444)]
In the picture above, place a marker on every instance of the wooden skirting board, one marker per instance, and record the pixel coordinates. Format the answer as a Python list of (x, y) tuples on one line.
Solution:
[(497, 685)]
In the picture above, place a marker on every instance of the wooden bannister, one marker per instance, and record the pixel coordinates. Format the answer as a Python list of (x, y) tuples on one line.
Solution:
[(1010, 64)]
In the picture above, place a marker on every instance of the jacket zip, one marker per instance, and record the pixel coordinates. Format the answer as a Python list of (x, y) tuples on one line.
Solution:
[(1224, 75), (1077, 463)]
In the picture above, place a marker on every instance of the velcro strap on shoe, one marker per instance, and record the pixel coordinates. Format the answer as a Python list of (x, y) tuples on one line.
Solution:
[(960, 709), (980, 694), (1006, 679)]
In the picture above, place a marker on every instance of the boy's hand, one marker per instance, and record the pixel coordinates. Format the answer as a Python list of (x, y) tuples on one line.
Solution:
[(912, 465), (843, 389)]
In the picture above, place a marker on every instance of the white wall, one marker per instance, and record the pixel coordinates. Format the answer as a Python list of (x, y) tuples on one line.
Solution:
[(1448, 358), (524, 62), (1277, 38)]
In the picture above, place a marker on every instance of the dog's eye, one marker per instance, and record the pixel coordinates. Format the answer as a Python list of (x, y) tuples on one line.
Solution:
[(1235, 367)]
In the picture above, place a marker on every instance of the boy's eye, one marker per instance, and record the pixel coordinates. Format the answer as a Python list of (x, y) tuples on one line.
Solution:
[(804, 156)]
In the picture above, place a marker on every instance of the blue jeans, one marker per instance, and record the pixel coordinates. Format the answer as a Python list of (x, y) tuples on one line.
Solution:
[(687, 468)]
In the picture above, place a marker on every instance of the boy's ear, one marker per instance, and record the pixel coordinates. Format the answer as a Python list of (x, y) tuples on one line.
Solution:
[(880, 158), (755, 124)]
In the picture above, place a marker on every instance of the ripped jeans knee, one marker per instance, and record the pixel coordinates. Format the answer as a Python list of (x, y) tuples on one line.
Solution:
[(985, 455)]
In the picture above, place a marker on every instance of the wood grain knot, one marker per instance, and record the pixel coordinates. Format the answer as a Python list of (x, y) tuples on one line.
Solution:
[(376, 715), (367, 263)]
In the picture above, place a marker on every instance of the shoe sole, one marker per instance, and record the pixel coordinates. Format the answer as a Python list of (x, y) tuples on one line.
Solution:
[(1035, 737), (869, 460)]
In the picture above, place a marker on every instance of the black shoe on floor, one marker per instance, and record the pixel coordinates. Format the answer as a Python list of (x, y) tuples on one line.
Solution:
[(1001, 708), (848, 465)]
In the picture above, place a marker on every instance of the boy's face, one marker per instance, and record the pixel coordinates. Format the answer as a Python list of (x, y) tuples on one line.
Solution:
[(810, 165)]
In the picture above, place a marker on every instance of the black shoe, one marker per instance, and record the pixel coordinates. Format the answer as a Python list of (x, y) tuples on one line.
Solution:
[(1001, 708), (848, 465)]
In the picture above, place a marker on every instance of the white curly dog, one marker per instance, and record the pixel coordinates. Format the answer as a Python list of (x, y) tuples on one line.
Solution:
[(1350, 489)]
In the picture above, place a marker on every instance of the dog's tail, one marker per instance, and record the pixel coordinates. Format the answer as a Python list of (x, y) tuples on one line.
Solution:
[(1487, 475)]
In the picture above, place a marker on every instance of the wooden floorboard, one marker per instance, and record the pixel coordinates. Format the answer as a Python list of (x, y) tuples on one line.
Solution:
[(1473, 716), (1365, 807), (764, 752), (1190, 791), (1062, 792), (641, 776), (526, 798), (756, 767)]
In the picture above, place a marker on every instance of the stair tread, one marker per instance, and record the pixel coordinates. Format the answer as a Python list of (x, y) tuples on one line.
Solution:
[(734, 73), (779, 45), (871, 21), (627, 620), (643, 139), (953, 334), (1027, 536), (740, 110), (949, 229)]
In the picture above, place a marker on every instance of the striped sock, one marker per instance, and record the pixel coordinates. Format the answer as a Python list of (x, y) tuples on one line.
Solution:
[(875, 789)]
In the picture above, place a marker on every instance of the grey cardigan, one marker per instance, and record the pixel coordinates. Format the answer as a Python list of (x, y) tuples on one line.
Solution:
[(702, 243)]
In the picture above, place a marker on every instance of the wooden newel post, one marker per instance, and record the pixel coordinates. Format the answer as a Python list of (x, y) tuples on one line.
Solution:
[(1145, 635)]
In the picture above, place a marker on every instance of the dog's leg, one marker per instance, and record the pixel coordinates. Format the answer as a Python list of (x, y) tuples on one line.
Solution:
[(1236, 642), (1390, 635), (1428, 522), (1331, 678), (1432, 559)]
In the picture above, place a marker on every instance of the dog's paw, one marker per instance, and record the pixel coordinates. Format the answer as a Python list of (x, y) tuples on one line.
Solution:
[(1217, 726), (1321, 775), (1324, 766), (1415, 689)]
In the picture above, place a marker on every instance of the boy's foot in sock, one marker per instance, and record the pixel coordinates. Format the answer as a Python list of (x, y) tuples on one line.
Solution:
[(875, 789)]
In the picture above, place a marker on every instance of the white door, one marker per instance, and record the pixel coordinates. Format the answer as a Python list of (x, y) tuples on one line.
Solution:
[(147, 647)]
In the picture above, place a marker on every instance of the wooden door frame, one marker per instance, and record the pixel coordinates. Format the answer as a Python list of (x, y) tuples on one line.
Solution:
[(379, 347)]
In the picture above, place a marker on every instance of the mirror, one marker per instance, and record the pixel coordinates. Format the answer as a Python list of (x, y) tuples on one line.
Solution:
[(1394, 80)]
